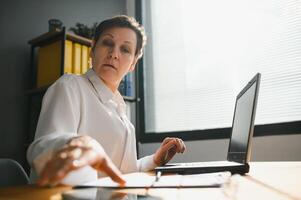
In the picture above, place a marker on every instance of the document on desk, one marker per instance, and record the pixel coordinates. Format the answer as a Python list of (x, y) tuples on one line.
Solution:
[(143, 180)]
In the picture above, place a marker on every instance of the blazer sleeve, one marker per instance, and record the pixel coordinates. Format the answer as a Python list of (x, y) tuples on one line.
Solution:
[(146, 163)]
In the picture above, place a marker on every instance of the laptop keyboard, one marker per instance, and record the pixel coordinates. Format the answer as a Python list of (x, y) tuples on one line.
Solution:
[(207, 164)]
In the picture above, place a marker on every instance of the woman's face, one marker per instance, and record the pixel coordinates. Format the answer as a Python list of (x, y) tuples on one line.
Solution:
[(114, 55)]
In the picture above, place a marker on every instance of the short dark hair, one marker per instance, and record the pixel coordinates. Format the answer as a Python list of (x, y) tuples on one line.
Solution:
[(123, 21)]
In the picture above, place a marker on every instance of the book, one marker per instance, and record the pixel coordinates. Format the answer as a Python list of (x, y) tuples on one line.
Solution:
[(122, 86), (129, 87), (76, 58)]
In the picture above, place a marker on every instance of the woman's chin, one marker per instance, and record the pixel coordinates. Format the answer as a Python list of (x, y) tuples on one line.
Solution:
[(109, 79)]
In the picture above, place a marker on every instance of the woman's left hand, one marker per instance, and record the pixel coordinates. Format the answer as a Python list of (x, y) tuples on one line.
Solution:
[(167, 150)]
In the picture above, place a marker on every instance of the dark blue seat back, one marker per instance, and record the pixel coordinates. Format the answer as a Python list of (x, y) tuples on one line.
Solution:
[(12, 173)]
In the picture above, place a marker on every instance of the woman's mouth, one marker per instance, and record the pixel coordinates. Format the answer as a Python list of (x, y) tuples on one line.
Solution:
[(109, 65)]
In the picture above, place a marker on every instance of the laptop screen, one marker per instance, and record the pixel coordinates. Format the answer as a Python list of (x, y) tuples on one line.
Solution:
[(243, 121)]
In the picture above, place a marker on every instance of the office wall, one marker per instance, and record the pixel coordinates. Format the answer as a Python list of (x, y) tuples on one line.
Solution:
[(21, 21), (264, 148)]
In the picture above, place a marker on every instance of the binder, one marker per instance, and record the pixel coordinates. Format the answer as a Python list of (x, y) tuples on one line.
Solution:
[(89, 58), (84, 59), (68, 57), (49, 63), (50, 59), (76, 58)]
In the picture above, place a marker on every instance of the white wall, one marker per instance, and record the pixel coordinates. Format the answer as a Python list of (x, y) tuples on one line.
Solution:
[(265, 148)]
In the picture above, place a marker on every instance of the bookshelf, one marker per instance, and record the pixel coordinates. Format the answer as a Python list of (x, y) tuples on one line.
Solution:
[(55, 53)]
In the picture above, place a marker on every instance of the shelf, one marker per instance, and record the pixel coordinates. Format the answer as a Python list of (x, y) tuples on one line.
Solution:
[(56, 35), (78, 39), (46, 38)]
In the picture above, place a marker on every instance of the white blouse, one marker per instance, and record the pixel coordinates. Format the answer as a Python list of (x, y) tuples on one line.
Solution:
[(83, 105)]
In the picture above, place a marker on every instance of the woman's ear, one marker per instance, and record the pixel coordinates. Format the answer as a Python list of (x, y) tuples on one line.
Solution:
[(133, 65)]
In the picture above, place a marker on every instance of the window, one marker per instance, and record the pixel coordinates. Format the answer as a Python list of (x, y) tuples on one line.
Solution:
[(201, 53)]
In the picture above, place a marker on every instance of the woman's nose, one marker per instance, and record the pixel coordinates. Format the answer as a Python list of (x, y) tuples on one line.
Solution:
[(113, 53)]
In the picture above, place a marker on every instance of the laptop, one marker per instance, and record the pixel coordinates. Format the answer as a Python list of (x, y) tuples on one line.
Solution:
[(239, 150)]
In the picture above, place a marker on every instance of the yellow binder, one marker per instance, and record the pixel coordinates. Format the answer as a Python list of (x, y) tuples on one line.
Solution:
[(68, 57), (89, 58), (49, 64), (84, 59), (76, 58)]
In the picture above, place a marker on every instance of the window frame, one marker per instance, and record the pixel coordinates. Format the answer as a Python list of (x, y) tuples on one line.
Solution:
[(285, 128)]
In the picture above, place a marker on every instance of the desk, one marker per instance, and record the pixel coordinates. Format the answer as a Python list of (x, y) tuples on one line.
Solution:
[(266, 180)]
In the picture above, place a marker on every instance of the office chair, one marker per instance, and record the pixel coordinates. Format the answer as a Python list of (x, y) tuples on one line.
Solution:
[(12, 173)]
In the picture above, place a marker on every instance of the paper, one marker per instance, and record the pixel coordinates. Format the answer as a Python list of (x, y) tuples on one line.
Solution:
[(143, 180)]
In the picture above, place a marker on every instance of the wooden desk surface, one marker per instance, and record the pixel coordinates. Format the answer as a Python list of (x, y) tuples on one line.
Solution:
[(282, 177), (266, 180)]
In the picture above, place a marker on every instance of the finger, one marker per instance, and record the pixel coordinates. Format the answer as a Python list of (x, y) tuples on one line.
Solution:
[(173, 142), (182, 145), (57, 177), (104, 164), (166, 140), (49, 173), (56, 174), (171, 153), (60, 165), (168, 145), (179, 145), (80, 141), (111, 170), (86, 156)]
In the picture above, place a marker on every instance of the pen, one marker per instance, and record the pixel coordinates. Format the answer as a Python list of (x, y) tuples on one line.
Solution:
[(158, 175)]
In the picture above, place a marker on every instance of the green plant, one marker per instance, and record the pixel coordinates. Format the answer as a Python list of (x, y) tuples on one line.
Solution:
[(84, 30)]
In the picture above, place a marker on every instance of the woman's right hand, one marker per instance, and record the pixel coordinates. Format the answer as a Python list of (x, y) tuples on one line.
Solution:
[(76, 154)]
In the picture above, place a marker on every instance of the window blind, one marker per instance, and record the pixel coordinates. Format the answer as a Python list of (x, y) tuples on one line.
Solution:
[(200, 54)]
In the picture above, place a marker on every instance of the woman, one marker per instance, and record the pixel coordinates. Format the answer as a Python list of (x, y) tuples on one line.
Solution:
[(83, 131)]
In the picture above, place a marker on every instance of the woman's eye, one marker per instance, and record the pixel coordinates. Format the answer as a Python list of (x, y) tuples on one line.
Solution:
[(108, 43), (125, 50)]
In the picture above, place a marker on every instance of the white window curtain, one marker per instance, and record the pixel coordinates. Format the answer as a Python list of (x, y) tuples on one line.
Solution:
[(200, 53)]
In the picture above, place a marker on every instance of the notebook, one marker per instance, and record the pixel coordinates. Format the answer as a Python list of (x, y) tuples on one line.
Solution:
[(239, 150), (147, 180)]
